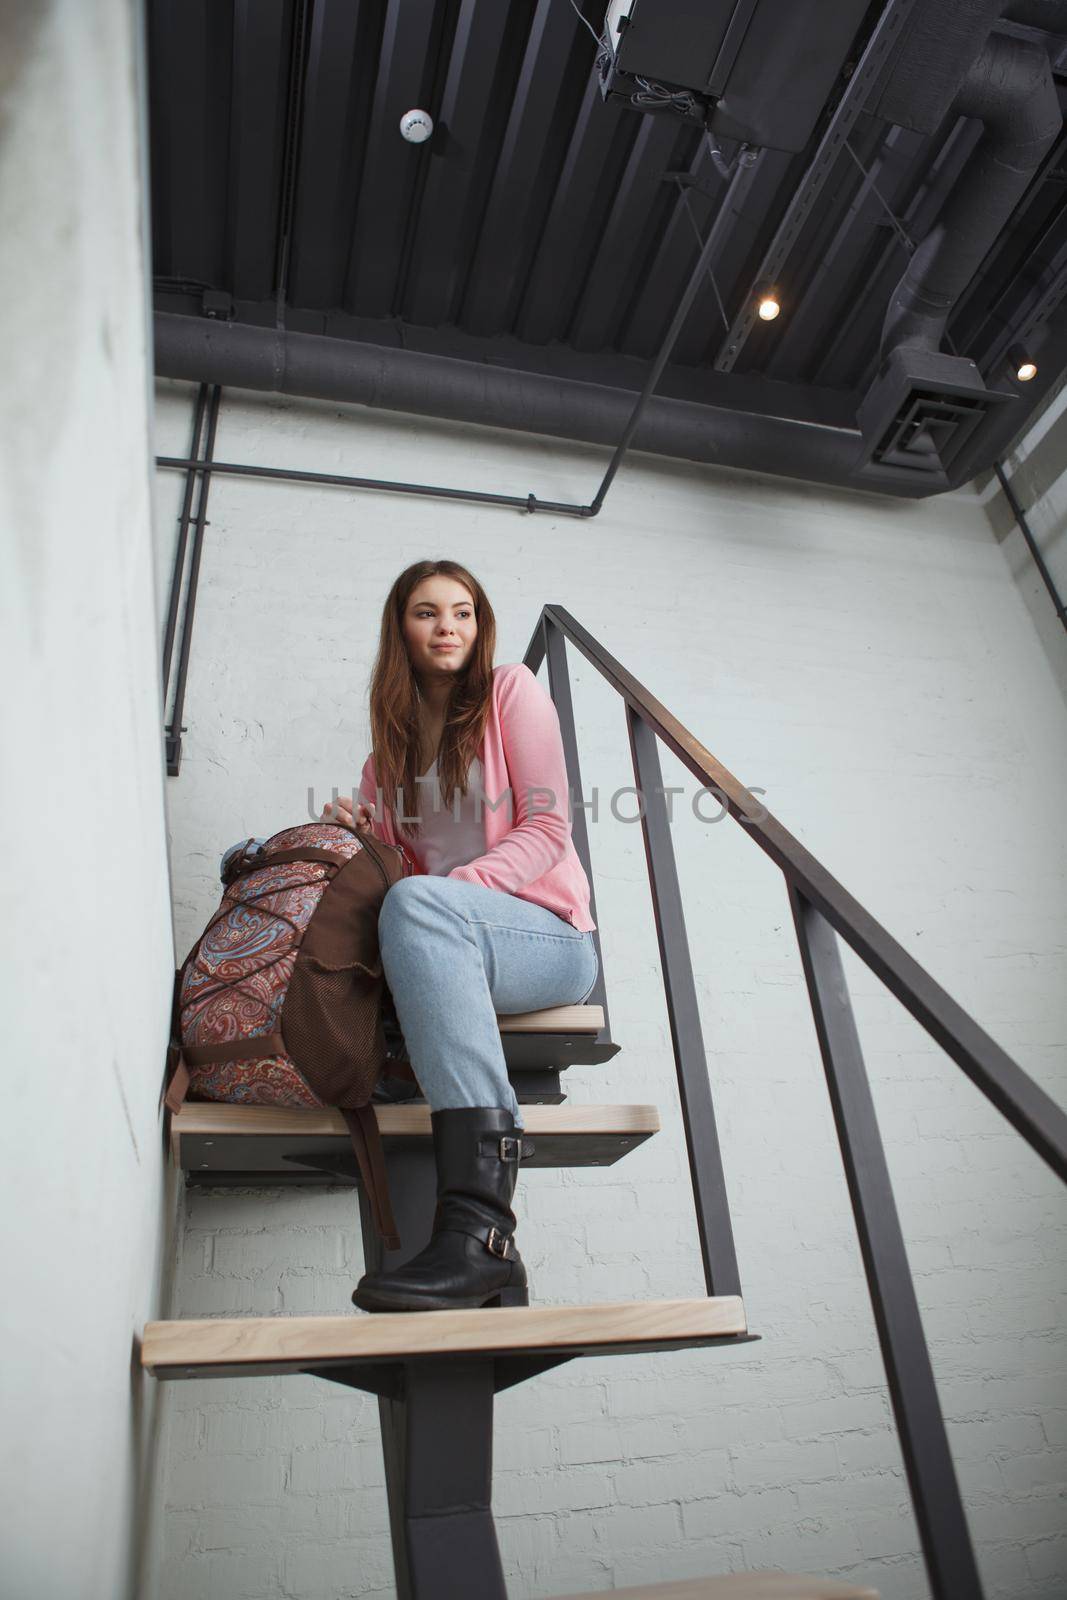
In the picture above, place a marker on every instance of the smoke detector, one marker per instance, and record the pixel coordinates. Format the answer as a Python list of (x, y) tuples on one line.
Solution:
[(416, 126)]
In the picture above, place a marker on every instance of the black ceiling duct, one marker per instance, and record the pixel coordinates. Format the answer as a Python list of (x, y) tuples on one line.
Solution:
[(924, 406), (939, 46), (1010, 89), (200, 349)]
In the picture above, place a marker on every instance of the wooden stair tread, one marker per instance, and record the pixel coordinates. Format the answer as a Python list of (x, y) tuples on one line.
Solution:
[(214, 1142), (205, 1116), (743, 1586), (555, 1019), (556, 1037), (266, 1346), (559, 1036)]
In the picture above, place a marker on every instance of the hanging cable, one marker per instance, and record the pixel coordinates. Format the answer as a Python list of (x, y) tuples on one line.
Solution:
[(700, 246), (724, 168), (657, 97), (898, 228), (598, 38)]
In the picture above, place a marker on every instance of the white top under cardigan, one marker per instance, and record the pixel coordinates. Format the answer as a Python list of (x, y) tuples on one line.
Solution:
[(449, 836), (529, 851)]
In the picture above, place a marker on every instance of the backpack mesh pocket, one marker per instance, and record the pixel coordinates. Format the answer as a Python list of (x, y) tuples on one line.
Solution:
[(332, 1026)]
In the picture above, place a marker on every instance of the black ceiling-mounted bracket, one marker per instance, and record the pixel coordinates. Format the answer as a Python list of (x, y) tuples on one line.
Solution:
[(752, 71), (219, 305), (849, 108), (172, 745)]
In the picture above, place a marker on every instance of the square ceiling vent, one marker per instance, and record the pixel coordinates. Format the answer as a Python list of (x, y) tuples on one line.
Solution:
[(920, 411)]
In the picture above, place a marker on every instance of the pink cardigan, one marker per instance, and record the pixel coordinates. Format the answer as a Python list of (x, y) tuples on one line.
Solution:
[(528, 851)]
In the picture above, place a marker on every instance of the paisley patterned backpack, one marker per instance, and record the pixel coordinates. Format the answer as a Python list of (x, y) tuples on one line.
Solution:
[(280, 1000)]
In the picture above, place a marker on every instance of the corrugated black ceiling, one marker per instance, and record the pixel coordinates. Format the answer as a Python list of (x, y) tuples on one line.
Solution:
[(538, 215)]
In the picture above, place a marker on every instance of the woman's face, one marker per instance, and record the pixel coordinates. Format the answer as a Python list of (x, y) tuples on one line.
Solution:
[(439, 628)]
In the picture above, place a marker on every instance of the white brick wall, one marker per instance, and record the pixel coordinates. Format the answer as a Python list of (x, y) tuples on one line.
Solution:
[(872, 666)]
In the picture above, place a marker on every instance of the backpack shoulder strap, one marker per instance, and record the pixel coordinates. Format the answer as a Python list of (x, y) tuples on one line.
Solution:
[(176, 1072), (367, 1143)]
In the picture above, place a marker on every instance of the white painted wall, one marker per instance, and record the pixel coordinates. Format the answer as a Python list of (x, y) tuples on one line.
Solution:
[(87, 945), (871, 664), (1036, 468)]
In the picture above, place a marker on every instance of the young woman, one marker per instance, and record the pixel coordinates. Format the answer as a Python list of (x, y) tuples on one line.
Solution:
[(468, 773)]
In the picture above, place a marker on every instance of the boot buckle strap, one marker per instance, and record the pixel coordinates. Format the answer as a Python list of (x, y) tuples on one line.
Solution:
[(511, 1148), (498, 1244)]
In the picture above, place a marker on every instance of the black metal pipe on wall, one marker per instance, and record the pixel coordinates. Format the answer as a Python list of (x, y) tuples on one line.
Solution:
[(1024, 528), (342, 480), (174, 599), (202, 470)]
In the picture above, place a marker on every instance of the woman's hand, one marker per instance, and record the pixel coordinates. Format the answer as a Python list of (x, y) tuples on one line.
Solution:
[(345, 810)]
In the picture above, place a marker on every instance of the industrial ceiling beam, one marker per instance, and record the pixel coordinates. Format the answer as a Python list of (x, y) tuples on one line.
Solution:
[(842, 271), (599, 143), (342, 64), (261, 52), (439, 254), (555, 62), (885, 36), (639, 206), (392, 167)]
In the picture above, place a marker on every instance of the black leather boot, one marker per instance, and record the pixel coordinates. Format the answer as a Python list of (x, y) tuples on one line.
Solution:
[(471, 1259)]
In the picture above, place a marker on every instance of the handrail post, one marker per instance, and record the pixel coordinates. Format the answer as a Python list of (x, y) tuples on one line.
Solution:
[(822, 908), (935, 1493), (694, 1085), (1022, 1101), (559, 685)]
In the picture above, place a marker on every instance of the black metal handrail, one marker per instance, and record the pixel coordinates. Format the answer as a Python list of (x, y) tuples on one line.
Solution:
[(821, 906)]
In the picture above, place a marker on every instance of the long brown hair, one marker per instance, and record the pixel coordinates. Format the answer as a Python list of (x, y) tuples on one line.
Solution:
[(394, 697)]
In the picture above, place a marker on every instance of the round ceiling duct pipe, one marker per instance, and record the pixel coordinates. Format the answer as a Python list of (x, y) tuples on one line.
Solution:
[(239, 355), (936, 49), (1010, 89)]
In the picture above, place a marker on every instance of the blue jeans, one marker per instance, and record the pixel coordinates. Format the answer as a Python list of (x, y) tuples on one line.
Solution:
[(455, 955)]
